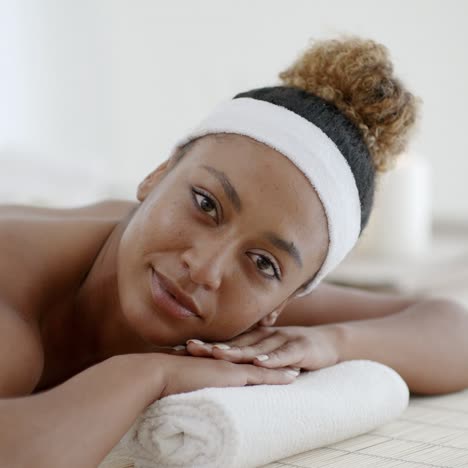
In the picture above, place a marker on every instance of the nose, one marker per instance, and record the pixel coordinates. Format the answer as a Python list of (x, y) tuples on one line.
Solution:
[(207, 262)]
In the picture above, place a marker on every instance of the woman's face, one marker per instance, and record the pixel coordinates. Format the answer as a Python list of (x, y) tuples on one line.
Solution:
[(234, 225)]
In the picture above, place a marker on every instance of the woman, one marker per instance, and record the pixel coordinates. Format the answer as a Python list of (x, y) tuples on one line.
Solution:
[(205, 280)]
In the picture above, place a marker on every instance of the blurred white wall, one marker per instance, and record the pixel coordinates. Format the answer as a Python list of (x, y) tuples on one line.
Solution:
[(98, 90)]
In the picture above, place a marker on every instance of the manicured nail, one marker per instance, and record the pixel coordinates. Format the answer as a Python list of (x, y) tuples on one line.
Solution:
[(291, 372), (221, 346), (178, 347), (195, 341), (262, 357)]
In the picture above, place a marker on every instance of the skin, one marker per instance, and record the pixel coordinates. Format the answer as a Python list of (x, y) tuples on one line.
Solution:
[(87, 287), (80, 279), (75, 290), (213, 255)]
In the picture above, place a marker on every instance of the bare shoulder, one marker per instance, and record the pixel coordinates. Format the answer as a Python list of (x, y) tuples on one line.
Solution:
[(45, 247), (330, 303), (103, 209), (21, 354), (44, 253)]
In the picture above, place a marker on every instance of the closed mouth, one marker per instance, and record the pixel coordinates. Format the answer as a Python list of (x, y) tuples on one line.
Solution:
[(167, 296)]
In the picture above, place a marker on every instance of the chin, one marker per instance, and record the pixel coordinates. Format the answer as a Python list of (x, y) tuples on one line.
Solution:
[(151, 330)]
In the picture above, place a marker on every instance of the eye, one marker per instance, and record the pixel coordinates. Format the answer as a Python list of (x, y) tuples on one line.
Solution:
[(206, 203), (266, 266)]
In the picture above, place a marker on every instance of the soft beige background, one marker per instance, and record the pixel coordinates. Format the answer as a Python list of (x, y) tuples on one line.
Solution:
[(97, 90)]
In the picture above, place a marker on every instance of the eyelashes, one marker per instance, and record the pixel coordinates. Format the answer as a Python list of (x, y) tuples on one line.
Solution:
[(208, 205), (266, 263)]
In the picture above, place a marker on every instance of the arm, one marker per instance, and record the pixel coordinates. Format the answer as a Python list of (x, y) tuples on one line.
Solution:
[(329, 303), (96, 407), (423, 339), (426, 343)]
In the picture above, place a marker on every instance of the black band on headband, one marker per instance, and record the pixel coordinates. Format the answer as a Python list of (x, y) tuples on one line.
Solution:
[(336, 126)]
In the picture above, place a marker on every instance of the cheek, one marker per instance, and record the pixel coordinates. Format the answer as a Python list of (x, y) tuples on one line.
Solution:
[(166, 225), (239, 309), (156, 227)]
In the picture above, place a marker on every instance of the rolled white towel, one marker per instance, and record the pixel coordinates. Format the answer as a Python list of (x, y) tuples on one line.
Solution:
[(250, 426)]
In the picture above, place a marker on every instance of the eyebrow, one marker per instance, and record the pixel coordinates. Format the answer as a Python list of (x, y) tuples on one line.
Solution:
[(288, 247), (228, 188), (233, 196)]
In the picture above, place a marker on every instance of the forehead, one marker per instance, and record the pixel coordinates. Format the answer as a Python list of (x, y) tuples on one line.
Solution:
[(274, 193)]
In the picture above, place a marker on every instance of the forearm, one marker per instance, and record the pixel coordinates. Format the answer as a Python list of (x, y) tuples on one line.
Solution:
[(426, 344), (77, 423)]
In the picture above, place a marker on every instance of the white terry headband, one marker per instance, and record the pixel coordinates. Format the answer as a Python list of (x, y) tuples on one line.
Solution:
[(312, 151)]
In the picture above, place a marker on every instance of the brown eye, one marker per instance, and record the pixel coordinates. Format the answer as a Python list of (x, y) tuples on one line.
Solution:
[(266, 266), (263, 263), (206, 204)]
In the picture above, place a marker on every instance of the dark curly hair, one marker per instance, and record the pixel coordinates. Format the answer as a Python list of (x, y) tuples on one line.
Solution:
[(346, 88), (356, 75)]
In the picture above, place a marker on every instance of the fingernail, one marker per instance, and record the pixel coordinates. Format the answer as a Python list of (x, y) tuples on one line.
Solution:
[(195, 341), (291, 372), (262, 357), (178, 347), (221, 346), (298, 369)]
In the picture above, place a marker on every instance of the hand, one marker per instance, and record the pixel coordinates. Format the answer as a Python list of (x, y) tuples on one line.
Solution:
[(308, 348), (188, 373)]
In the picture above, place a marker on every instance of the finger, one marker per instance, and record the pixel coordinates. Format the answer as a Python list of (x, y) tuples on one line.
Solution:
[(249, 353), (250, 337), (174, 350), (179, 350), (290, 353), (259, 375), (198, 348)]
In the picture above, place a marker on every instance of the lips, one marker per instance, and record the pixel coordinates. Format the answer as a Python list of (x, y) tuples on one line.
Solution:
[(170, 299)]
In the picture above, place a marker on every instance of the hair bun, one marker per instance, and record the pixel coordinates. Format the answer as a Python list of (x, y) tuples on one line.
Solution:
[(355, 75)]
